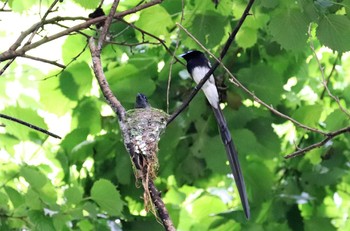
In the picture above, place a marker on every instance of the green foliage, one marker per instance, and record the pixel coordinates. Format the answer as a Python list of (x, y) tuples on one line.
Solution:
[(88, 4), (86, 181), (333, 31), (103, 192)]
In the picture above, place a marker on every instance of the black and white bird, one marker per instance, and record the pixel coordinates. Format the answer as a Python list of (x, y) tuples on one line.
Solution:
[(198, 66)]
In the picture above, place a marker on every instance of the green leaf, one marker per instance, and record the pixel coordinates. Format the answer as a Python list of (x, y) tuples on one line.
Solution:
[(75, 137), (48, 194), (73, 46), (215, 155), (334, 31), (88, 4), (16, 198), (289, 29), (76, 80), (150, 17), (40, 221), (87, 115), (52, 98), (105, 194), (202, 210), (68, 86), (336, 120), (263, 81), (33, 200), (246, 37), (204, 27), (81, 151), (319, 223), (85, 225), (3, 201), (82, 77), (308, 115), (259, 180), (124, 169), (21, 6), (322, 176), (126, 81), (34, 177)]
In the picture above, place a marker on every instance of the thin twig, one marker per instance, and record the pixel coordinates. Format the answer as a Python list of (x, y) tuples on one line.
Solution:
[(173, 57), (330, 75), (29, 125), (324, 82), (215, 65), (42, 21), (329, 136), (3, 69), (70, 62), (43, 60), (155, 37)]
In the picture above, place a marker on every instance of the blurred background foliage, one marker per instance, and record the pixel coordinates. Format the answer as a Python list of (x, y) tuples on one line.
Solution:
[(85, 181)]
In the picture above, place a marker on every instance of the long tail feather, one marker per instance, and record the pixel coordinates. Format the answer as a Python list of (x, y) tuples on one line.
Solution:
[(233, 159)]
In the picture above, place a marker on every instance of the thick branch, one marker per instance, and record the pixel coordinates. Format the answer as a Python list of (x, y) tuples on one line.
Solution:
[(159, 204), (107, 92), (107, 25)]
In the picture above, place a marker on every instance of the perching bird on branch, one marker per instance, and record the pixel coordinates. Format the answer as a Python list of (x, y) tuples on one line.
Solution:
[(198, 66)]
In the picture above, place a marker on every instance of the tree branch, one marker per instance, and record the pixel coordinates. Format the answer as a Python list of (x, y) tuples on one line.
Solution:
[(155, 37), (42, 21), (107, 25), (29, 125), (13, 52), (329, 136), (330, 75), (159, 204), (44, 60), (324, 82), (112, 101)]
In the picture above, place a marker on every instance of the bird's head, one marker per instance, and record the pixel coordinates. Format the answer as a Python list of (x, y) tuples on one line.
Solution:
[(192, 54), (141, 101)]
